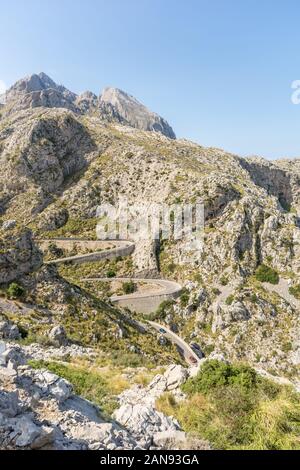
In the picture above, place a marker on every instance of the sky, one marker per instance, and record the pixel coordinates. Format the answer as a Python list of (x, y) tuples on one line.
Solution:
[(220, 71)]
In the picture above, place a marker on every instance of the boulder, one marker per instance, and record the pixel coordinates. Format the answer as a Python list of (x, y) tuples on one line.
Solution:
[(9, 224), (50, 384), (58, 335), (8, 330), (175, 376), (144, 420), (9, 403), (27, 431), (45, 438), (103, 435), (164, 439)]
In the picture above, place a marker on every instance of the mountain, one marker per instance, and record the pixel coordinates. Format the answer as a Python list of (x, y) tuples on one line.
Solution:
[(133, 113), (238, 297), (36, 91), (113, 104)]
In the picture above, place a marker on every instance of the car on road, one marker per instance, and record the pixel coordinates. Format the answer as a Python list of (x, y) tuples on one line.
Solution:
[(193, 359), (197, 350), (161, 330)]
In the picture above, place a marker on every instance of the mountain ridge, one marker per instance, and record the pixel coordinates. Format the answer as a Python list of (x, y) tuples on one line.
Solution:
[(39, 90)]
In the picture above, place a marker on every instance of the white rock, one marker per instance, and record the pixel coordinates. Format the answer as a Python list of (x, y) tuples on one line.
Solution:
[(28, 431), (165, 438), (175, 375)]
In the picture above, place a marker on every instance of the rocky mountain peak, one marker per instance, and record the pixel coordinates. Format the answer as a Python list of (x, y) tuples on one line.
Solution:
[(32, 84), (113, 105), (115, 96), (134, 113), (38, 90)]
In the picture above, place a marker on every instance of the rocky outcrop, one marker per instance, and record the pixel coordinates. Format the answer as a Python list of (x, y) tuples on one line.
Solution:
[(128, 110), (87, 102), (58, 335), (292, 169), (39, 90), (171, 380), (8, 330), (144, 421), (38, 410), (42, 151), (271, 178), (18, 255), (138, 412)]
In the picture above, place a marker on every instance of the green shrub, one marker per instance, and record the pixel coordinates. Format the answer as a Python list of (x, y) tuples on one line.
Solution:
[(198, 278), (295, 291), (215, 373), (128, 287), (229, 299), (208, 349), (15, 291), (110, 273), (224, 281), (234, 408), (286, 347), (171, 267), (184, 299), (216, 291), (163, 309), (266, 274)]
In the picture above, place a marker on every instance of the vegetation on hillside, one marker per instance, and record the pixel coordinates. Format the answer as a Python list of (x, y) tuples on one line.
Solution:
[(295, 291), (103, 380), (266, 274), (234, 408)]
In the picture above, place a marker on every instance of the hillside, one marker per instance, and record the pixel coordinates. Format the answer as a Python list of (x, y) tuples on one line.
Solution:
[(63, 155)]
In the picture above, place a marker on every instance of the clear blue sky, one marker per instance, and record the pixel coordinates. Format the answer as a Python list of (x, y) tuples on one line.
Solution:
[(220, 71)]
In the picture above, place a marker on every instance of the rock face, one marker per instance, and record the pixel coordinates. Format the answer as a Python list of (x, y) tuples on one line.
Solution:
[(39, 90), (8, 330), (38, 410), (139, 414), (18, 255), (273, 179), (132, 112), (171, 380), (144, 420), (42, 153), (58, 335), (87, 102)]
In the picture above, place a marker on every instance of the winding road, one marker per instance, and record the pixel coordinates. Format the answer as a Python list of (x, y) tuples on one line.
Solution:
[(143, 302), (101, 249), (185, 349)]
